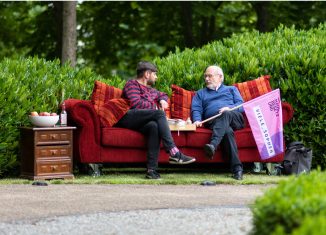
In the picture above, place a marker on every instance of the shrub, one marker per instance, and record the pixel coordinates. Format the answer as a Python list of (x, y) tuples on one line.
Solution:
[(285, 209), (294, 58), (311, 226), (35, 84)]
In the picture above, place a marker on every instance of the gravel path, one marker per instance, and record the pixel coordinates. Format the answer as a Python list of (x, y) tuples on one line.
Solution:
[(127, 209)]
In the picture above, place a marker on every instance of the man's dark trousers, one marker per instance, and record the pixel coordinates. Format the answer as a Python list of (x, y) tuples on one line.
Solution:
[(153, 124), (223, 133)]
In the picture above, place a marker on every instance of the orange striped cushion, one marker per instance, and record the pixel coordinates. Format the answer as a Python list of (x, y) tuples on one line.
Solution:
[(181, 102), (168, 110), (103, 93), (254, 88), (111, 112)]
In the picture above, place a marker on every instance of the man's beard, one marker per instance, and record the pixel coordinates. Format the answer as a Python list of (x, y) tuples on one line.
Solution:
[(211, 86), (151, 83)]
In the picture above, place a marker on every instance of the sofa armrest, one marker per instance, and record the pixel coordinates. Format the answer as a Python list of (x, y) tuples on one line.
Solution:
[(287, 112), (87, 137), (82, 114)]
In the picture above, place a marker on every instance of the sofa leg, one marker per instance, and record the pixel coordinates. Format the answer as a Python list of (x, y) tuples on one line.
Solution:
[(94, 170)]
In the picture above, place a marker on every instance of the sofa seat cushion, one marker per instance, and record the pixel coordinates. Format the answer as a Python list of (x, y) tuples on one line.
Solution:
[(202, 136), (122, 137)]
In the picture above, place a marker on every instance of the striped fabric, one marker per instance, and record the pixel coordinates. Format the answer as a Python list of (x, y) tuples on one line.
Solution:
[(142, 97), (111, 112), (254, 88), (181, 99), (103, 93), (108, 103), (181, 102)]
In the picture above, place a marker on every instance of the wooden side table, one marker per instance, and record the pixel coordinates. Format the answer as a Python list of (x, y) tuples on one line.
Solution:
[(46, 152)]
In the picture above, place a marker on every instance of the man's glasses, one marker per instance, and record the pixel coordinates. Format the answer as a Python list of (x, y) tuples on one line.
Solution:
[(209, 76)]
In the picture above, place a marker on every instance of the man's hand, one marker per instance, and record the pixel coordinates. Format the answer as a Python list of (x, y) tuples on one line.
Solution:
[(164, 104), (224, 109), (198, 123)]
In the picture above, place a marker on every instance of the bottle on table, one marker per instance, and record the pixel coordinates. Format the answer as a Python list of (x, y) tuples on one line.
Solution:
[(63, 115)]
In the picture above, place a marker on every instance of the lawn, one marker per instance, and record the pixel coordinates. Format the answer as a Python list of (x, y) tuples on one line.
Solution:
[(174, 176)]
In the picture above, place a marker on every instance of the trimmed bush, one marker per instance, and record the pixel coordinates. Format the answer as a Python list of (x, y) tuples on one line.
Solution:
[(35, 84), (294, 58), (286, 208), (311, 226)]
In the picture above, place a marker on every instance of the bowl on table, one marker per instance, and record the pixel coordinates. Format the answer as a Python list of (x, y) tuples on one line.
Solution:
[(44, 121)]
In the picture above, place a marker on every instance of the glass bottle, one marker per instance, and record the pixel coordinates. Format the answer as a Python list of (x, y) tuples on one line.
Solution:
[(63, 115), (188, 121)]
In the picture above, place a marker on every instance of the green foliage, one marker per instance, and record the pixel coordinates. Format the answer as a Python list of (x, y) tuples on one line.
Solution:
[(294, 58), (34, 84), (291, 207), (311, 226), (113, 36)]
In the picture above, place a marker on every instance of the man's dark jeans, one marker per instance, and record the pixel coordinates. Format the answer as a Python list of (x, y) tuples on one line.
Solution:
[(223, 133), (153, 124)]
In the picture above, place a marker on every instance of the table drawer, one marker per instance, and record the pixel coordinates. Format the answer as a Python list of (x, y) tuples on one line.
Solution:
[(53, 151), (53, 137), (53, 167)]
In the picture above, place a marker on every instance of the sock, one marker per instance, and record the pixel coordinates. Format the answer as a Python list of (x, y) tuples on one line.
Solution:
[(173, 151)]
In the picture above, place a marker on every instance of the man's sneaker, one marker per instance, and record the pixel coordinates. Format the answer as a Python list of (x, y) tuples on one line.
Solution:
[(181, 159), (153, 174), (209, 151)]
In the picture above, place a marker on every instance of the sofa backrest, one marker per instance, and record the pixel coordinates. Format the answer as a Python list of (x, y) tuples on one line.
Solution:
[(111, 107), (181, 98)]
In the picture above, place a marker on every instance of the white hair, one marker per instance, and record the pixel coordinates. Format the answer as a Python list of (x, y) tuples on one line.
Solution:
[(218, 69)]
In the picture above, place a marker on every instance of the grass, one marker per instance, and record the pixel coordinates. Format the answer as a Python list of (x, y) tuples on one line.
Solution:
[(172, 176)]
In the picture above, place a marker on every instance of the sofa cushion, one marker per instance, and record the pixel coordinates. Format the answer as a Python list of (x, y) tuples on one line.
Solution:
[(116, 137), (103, 93), (112, 110), (181, 102), (202, 136), (254, 88)]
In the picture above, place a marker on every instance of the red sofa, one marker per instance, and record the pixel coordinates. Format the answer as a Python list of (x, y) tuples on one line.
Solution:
[(97, 142)]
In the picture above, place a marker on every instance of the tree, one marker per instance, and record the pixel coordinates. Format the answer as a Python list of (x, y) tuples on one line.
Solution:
[(69, 39)]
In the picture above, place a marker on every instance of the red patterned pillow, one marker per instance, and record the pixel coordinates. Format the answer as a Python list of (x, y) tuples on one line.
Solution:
[(111, 112), (168, 110), (181, 102), (254, 88), (102, 93)]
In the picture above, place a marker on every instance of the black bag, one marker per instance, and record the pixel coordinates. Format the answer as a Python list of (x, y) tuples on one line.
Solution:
[(297, 159)]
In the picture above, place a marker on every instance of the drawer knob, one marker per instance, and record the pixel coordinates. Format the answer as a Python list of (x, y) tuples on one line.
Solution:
[(52, 137), (54, 168)]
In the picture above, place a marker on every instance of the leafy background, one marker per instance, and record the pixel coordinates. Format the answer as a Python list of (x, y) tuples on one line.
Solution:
[(294, 58)]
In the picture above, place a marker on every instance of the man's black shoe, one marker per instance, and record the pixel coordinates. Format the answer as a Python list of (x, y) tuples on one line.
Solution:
[(237, 175), (181, 159), (152, 174), (209, 151)]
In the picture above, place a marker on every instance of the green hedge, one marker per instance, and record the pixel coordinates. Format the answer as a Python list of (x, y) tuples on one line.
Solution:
[(311, 226), (294, 58), (290, 206), (35, 84)]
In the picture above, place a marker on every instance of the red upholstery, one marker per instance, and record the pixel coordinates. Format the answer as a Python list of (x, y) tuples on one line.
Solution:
[(95, 144)]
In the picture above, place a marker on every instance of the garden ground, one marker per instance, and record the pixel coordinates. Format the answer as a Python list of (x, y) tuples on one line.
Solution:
[(127, 209)]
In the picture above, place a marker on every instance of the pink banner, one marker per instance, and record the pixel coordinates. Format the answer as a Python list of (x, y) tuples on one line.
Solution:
[(264, 114)]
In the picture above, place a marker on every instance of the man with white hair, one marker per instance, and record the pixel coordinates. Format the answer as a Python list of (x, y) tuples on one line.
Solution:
[(218, 98)]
